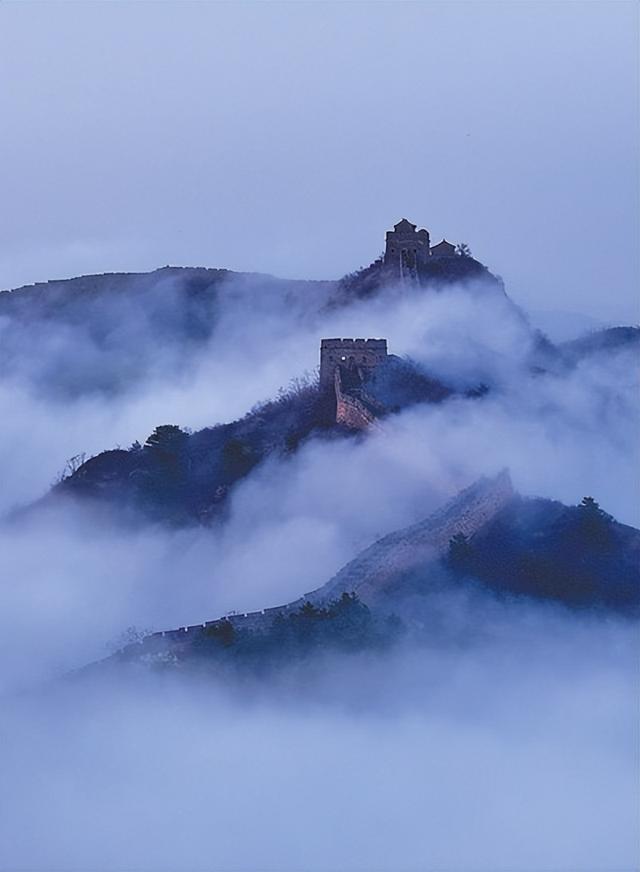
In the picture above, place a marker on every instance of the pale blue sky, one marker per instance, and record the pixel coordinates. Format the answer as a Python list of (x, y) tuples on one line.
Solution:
[(287, 137)]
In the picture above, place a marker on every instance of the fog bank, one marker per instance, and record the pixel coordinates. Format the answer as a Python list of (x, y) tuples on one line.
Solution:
[(517, 751)]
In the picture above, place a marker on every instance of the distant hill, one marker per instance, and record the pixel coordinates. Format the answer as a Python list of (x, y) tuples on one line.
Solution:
[(180, 306), (601, 342), (104, 333), (79, 300), (562, 357), (74, 300)]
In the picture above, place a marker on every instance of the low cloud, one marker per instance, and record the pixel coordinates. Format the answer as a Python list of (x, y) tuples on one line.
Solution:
[(513, 752), (505, 745)]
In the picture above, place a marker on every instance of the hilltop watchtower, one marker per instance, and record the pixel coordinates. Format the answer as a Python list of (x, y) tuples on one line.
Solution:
[(364, 354), (406, 247)]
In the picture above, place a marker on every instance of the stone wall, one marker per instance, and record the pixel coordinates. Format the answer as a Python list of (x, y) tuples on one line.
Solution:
[(373, 569), (260, 620), (351, 411), (384, 562)]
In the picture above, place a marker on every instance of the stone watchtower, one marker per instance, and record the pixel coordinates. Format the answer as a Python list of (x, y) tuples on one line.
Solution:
[(444, 249), (364, 354), (406, 248)]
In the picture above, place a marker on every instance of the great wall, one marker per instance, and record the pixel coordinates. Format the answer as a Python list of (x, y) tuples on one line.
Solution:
[(368, 574), (356, 411), (346, 365)]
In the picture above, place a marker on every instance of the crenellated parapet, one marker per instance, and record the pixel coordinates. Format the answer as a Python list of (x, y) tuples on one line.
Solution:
[(363, 353)]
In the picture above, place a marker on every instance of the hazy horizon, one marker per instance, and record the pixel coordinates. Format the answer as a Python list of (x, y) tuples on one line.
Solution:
[(286, 139)]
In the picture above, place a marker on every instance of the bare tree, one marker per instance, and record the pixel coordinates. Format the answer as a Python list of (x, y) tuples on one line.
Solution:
[(72, 465), (131, 636)]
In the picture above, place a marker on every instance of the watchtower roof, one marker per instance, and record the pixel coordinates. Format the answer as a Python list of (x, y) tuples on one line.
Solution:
[(404, 225), (444, 243)]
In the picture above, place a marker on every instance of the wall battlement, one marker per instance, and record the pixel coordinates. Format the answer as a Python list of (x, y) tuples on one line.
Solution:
[(369, 343), (243, 620), (362, 353)]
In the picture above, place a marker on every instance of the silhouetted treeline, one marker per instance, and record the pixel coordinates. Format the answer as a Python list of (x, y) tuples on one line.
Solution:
[(345, 624)]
